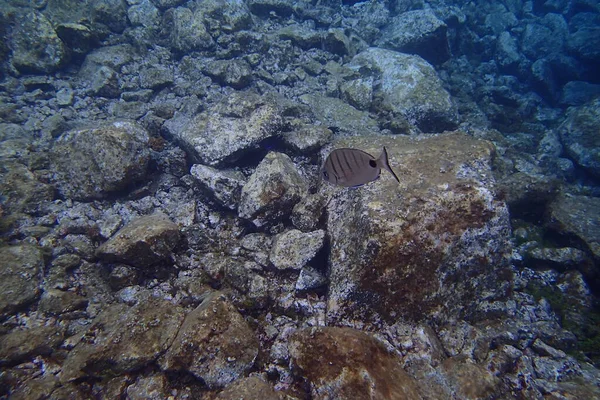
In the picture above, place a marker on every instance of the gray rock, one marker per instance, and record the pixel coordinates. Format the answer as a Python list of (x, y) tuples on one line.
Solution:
[(92, 163), (252, 387), (293, 249), (445, 247), (307, 138), (335, 41), (224, 133), (77, 37), (144, 14), (20, 276), (143, 242), (186, 30), (35, 46), (112, 13), (578, 93), (229, 16), (156, 77), (335, 113), (507, 52), (123, 339), (59, 302), (579, 136), (585, 43), (166, 4), (214, 344), (301, 36), (263, 8), (152, 387), (105, 83), (307, 213), (538, 41), (236, 73), (470, 380), (578, 216), (225, 186), (271, 191), (373, 372), (418, 32), (358, 92), (64, 97), (22, 345), (310, 279), (556, 258), (21, 190), (113, 57), (409, 87)]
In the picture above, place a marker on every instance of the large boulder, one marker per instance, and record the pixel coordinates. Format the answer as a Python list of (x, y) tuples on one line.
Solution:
[(20, 276), (35, 45), (579, 136), (143, 242), (122, 339), (435, 244), (272, 191), (227, 131), (409, 87), (418, 32), (94, 163), (214, 344), (343, 363)]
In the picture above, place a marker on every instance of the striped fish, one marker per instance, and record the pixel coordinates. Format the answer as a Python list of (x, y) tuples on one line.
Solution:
[(353, 167)]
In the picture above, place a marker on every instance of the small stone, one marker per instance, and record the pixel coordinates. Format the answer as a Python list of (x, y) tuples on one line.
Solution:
[(310, 279), (293, 249), (225, 186)]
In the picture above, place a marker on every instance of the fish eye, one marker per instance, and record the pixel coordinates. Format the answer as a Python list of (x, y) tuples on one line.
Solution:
[(325, 175), (372, 163)]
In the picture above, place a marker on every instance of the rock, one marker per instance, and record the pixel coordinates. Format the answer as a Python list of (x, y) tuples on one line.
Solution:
[(561, 259), (225, 133), (77, 37), (59, 302), (307, 213), (579, 136), (578, 93), (35, 46), (214, 344), (470, 380), (252, 387), (166, 4), (585, 43), (105, 83), (328, 359), (410, 87), (271, 191), (185, 30), (21, 345), (112, 13), (21, 190), (113, 57), (538, 41), (293, 249), (335, 41), (435, 244), (358, 92), (156, 77), (507, 53), (143, 242), (307, 138), (123, 339), (577, 216), (20, 276), (310, 279), (418, 32), (339, 115), (236, 73), (225, 186), (94, 163), (301, 36), (229, 16), (263, 8), (144, 14), (152, 387)]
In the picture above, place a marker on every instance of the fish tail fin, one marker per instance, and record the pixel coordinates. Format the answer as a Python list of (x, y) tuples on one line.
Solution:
[(385, 163)]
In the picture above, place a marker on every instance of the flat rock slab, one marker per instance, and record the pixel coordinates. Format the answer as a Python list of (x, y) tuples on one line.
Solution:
[(20, 276), (437, 242), (123, 339), (343, 363), (143, 242), (578, 216), (214, 344)]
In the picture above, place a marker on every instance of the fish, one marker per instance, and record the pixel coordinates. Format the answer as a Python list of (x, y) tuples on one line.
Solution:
[(353, 167)]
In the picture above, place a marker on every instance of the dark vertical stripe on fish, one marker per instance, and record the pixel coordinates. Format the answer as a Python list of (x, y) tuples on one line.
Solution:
[(335, 159), (349, 169)]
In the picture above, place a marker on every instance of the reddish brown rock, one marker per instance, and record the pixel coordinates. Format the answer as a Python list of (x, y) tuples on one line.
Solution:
[(435, 244), (344, 363)]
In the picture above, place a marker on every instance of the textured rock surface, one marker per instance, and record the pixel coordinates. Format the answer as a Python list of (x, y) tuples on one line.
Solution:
[(25, 344), (186, 30), (409, 87), (252, 387), (272, 190), (143, 242), (225, 186), (36, 47), (214, 343), (293, 249), (21, 190), (578, 216), (579, 136), (20, 276), (93, 163), (435, 244), (418, 32), (343, 363), (225, 133), (123, 339)]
